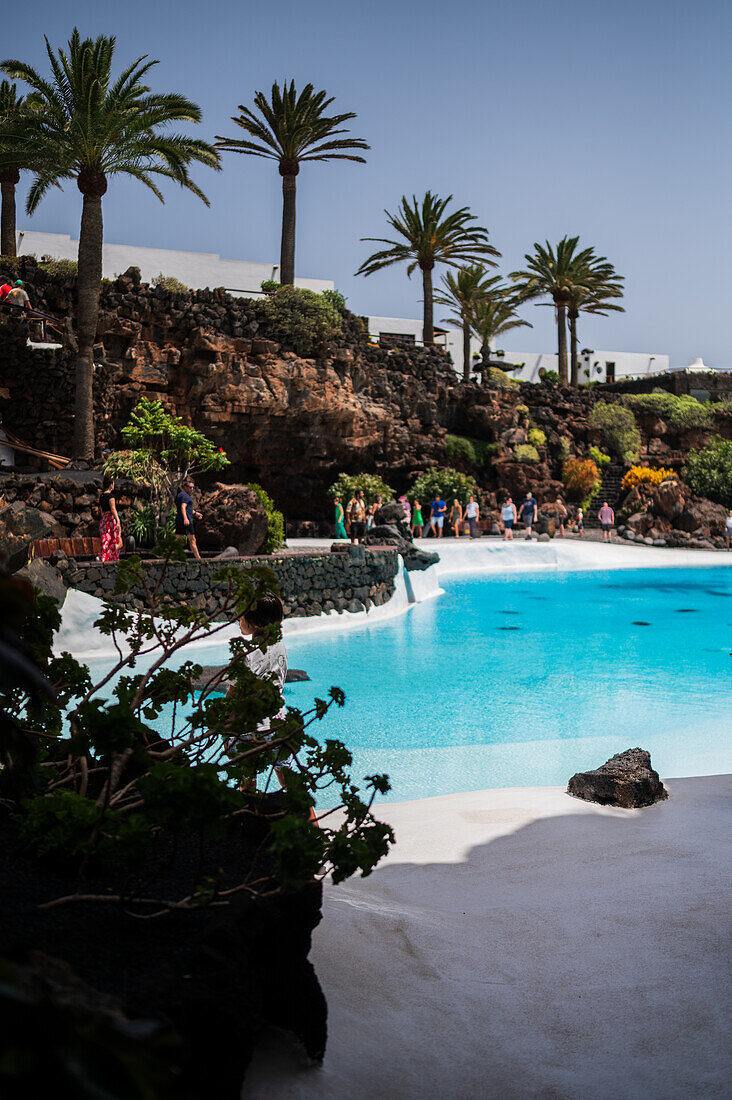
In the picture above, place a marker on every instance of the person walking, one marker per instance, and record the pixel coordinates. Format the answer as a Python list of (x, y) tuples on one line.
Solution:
[(340, 515), (472, 515), (560, 517), (529, 513), (185, 515), (437, 515), (606, 517), (580, 522), (18, 296), (456, 517), (508, 518), (417, 521), (404, 501), (110, 528), (356, 513), (728, 530)]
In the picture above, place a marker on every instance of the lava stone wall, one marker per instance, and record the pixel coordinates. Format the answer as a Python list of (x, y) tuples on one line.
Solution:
[(353, 579)]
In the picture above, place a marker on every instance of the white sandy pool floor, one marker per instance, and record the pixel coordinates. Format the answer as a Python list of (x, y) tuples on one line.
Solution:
[(523, 944)]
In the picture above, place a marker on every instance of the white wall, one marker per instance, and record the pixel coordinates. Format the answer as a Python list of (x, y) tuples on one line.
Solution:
[(628, 364), (196, 269)]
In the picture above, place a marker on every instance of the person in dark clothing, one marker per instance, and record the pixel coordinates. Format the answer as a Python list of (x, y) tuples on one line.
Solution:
[(185, 515)]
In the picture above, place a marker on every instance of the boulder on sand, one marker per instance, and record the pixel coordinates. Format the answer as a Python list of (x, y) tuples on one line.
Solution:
[(627, 780)]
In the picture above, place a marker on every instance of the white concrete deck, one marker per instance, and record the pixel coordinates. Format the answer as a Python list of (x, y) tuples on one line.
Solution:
[(523, 944)]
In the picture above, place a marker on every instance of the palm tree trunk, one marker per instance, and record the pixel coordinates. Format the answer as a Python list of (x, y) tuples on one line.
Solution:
[(562, 342), (89, 285), (428, 326), (574, 361), (8, 179), (287, 247), (466, 351)]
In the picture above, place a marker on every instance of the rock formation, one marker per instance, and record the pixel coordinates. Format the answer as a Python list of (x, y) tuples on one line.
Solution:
[(626, 779)]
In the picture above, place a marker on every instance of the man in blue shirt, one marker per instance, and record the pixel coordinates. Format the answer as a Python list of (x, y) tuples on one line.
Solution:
[(184, 516), (529, 512), (437, 515)]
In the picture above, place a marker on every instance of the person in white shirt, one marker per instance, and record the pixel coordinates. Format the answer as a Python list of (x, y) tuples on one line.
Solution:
[(472, 515), (268, 662)]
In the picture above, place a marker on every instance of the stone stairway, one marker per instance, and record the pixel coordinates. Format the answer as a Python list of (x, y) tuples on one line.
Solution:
[(610, 490)]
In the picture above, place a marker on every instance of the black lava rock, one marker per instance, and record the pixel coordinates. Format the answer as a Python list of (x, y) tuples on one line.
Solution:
[(627, 780)]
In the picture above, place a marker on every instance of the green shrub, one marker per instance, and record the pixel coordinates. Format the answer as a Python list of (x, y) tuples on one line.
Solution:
[(525, 452), (682, 412), (470, 452), (722, 408), (565, 447), (619, 430), (301, 320), (537, 438), (275, 520), (446, 482), (346, 485), (335, 298), (708, 471), (599, 457), (60, 268), (550, 377), (496, 377), (523, 411), (269, 286), (170, 283)]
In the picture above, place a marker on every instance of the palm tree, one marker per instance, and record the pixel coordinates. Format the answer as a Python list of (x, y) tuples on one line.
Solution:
[(430, 237), (462, 291), (605, 285), (555, 274), (291, 129), (88, 127), (11, 104), (493, 315)]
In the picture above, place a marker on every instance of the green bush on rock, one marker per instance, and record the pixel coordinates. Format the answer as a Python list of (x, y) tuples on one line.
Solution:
[(301, 320), (525, 452), (708, 471), (681, 412), (537, 438), (619, 429), (170, 283), (448, 483), (469, 452), (372, 485), (275, 520)]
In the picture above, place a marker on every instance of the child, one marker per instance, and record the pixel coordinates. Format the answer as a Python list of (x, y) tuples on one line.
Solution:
[(580, 522)]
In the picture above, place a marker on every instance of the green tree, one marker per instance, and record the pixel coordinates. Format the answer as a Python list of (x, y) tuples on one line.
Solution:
[(493, 315), (161, 452), (593, 294), (372, 485), (431, 236), (291, 129), (88, 126), (557, 274), (462, 291), (446, 482), (708, 471), (11, 106)]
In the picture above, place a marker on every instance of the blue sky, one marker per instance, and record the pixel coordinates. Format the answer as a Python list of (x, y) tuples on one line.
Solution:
[(610, 121)]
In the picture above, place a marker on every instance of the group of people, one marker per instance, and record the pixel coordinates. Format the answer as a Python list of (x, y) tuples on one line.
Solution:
[(110, 525), (15, 295)]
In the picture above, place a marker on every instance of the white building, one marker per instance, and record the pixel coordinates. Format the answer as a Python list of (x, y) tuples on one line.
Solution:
[(196, 269), (243, 278)]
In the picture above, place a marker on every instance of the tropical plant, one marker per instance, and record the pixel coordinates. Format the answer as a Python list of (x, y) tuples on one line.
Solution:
[(555, 273), (300, 320), (162, 452), (646, 475), (592, 292), (345, 486), (12, 106), (708, 471), (448, 483), (492, 315), (581, 477), (292, 129), (430, 236), (124, 773), (525, 452), (88, 126), (462, 292), (550, 377), (682, 412), (619, 429), (275, 520)]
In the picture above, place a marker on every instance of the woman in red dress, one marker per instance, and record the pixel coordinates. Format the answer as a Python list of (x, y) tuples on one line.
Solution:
[(110, 528)]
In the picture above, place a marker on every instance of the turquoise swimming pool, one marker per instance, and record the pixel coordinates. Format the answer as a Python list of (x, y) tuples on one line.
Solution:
[(521, 680)]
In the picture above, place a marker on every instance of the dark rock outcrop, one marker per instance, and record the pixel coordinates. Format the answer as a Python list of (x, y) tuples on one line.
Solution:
[(20, 525), (232, 516), (626, 779)]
